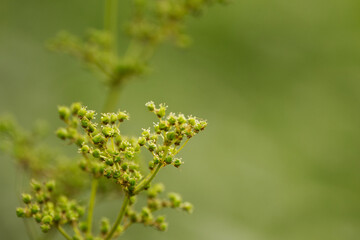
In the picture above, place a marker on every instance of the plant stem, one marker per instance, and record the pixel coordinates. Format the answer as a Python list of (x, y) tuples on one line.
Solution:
[(112, 98), (62, 231), (110, 21), (94, 185), (119, 217), (147, 179)]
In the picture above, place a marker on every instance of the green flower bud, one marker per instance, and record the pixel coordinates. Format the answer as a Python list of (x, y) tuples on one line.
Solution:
[(146, 214), (177, 162), (85, 122), (122, 116), (181, 119), (83, 226), (163, 226), (98, 139), (82, 112), (156, 160), (38, 217), (171, 135), (191, 121), (171, 119), (152, 147), (75, 107), (36, 186), (146, 133), (132, 182), (160, 219), (105, 226), (62, 133), (20, 212), (161, 112), (141, 141), (109, 161), (175, 199), (188, 207), (113, 118), (162, 126), (108, 131), (34, 208), (105, 119), (50, 185), (150, 105), (26, 198), (64, 112), (124, 166), (85, 148), (96, 153), (90, 114), (47, 219), (45, 228), (151, 165), (168, 160)]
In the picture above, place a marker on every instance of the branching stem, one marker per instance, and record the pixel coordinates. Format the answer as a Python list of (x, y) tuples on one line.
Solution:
[(63, 232), (94, 185)]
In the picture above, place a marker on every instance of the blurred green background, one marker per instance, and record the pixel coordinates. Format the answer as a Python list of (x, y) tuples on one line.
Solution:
[(278, 81)]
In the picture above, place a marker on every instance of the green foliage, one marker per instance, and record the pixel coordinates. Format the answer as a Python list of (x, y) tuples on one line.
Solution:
[(107, 157)]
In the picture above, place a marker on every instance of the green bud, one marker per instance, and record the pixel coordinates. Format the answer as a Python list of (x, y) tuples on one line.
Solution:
[(62, 133), (122, 116), (96, 153), (113, 118), (152, 147), (20, 212), (36, 186), (177, 162), (45, 228), (105, 119), (171, 119), (151, 165), (141, 141), (105, 226), (168, 160), (150, 105), (146, 133), (163, 226), (160, 219), (175, 199), (109, 161), (85, 149), (26, 198), (98, 139), (34, 208), (188, 207), (171, 135), (64, 112), (75, 107), (47, 219), (38, 217), (156, 160), (132, 182), (108, 131), (50, 185), (90, 114), (83, 226), (124, 166), (82, 112), (181, 119), (161, 111), (85, 122)]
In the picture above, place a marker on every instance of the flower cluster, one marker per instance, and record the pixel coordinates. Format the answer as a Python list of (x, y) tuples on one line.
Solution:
[(47, 209), (106, 152), (154, 203)]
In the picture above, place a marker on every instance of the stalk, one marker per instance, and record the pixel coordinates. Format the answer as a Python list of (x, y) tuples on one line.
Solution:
[(94, 185), (119, 217), (63, 232)]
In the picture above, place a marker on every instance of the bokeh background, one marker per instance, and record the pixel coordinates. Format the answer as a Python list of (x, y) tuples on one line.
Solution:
[(278, 81)]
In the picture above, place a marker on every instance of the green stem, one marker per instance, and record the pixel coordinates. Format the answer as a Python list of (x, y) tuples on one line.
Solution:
[(62, 231), (110, 21), (94, 185), (148, 179), (119, 217), (112, 98)]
